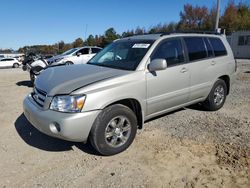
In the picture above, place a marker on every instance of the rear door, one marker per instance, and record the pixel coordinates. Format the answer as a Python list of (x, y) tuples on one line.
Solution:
[(168, 88), (201, 66)]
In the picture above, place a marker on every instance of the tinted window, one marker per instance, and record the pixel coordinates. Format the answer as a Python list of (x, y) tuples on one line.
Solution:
[(84, 51), (171, 50), (218, 46), (209, 48), (95, 50), (196, 48), (7, 59)]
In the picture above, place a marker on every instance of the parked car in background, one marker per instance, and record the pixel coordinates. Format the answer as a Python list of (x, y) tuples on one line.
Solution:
[(130, 81), (75, 56), (1, 56), (9, 62)]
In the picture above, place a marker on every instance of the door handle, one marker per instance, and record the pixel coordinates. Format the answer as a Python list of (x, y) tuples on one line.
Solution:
[(213, 63), (183, 70)]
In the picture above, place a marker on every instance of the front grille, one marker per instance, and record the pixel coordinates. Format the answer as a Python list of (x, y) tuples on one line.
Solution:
[(39, 97)]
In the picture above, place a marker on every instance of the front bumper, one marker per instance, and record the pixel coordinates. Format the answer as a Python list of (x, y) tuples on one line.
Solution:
[(67, 126)]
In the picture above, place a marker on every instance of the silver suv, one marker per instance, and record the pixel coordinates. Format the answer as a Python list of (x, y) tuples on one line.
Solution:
[(130, 81)]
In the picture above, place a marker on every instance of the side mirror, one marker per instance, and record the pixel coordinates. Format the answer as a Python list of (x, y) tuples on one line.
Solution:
[(78, 54), (157, 65)]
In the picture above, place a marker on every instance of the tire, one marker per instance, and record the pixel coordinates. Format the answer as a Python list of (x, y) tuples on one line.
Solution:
[(217, 96), (69, 63), (15, 65), (108, 136), (32, 78), (24, 67)]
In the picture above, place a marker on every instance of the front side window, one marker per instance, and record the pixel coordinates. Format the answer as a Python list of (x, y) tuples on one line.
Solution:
[(170, 50), (83, 51), (218, 46), (123, 54), (196, 48)]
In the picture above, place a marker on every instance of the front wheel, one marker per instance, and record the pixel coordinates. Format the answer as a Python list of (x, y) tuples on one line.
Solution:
[(217, 96), (69, 63), (15, 65), (114, 130)]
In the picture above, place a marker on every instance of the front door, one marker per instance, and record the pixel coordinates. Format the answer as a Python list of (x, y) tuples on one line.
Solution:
[(81, 56), (170, 87)]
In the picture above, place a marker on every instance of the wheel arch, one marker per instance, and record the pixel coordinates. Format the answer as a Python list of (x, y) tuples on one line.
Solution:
[(135, 106), (226, 79)]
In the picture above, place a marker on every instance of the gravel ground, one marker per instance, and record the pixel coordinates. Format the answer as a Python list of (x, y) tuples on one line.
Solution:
[(187, 148)]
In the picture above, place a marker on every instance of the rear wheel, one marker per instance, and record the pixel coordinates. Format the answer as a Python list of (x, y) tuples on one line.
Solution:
[(114, 130), (217, 96), (15, 65)]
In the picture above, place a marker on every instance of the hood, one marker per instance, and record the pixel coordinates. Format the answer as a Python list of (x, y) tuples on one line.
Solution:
[(65, 79)]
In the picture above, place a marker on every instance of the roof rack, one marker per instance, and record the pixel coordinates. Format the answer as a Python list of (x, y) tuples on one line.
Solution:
[(197, 32)]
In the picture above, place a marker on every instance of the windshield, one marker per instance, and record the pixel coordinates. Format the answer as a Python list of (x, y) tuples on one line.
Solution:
[(124, 54), (70, 51)]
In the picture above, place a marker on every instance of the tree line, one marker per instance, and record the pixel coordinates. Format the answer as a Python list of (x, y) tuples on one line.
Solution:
[(235, 17)]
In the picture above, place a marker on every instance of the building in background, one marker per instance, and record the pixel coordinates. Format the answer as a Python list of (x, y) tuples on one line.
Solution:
[(240, 44)]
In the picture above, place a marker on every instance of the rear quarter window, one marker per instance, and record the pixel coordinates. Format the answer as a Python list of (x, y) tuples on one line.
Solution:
[(218, 47)]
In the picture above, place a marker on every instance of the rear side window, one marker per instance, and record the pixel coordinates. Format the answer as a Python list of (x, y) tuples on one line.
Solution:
[(218, 47), (171, 50), (196, 48), (95, 50)]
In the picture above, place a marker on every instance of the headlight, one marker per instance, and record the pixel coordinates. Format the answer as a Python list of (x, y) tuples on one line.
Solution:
[(67, 103)]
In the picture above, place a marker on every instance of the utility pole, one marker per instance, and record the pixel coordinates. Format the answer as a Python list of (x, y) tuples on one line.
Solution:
[(85, 34), (217, 16)]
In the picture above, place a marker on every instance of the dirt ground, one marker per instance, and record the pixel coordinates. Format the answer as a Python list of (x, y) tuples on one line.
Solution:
[(187, 148)]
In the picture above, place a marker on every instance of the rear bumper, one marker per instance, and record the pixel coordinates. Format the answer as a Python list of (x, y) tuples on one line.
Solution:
[(67, 126)]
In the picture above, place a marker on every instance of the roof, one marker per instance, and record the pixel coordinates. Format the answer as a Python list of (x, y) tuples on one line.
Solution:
[(143, 37), (159, 35)]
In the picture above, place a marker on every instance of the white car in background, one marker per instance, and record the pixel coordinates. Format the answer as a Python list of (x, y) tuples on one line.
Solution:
[(75, 56), (9, 62)]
